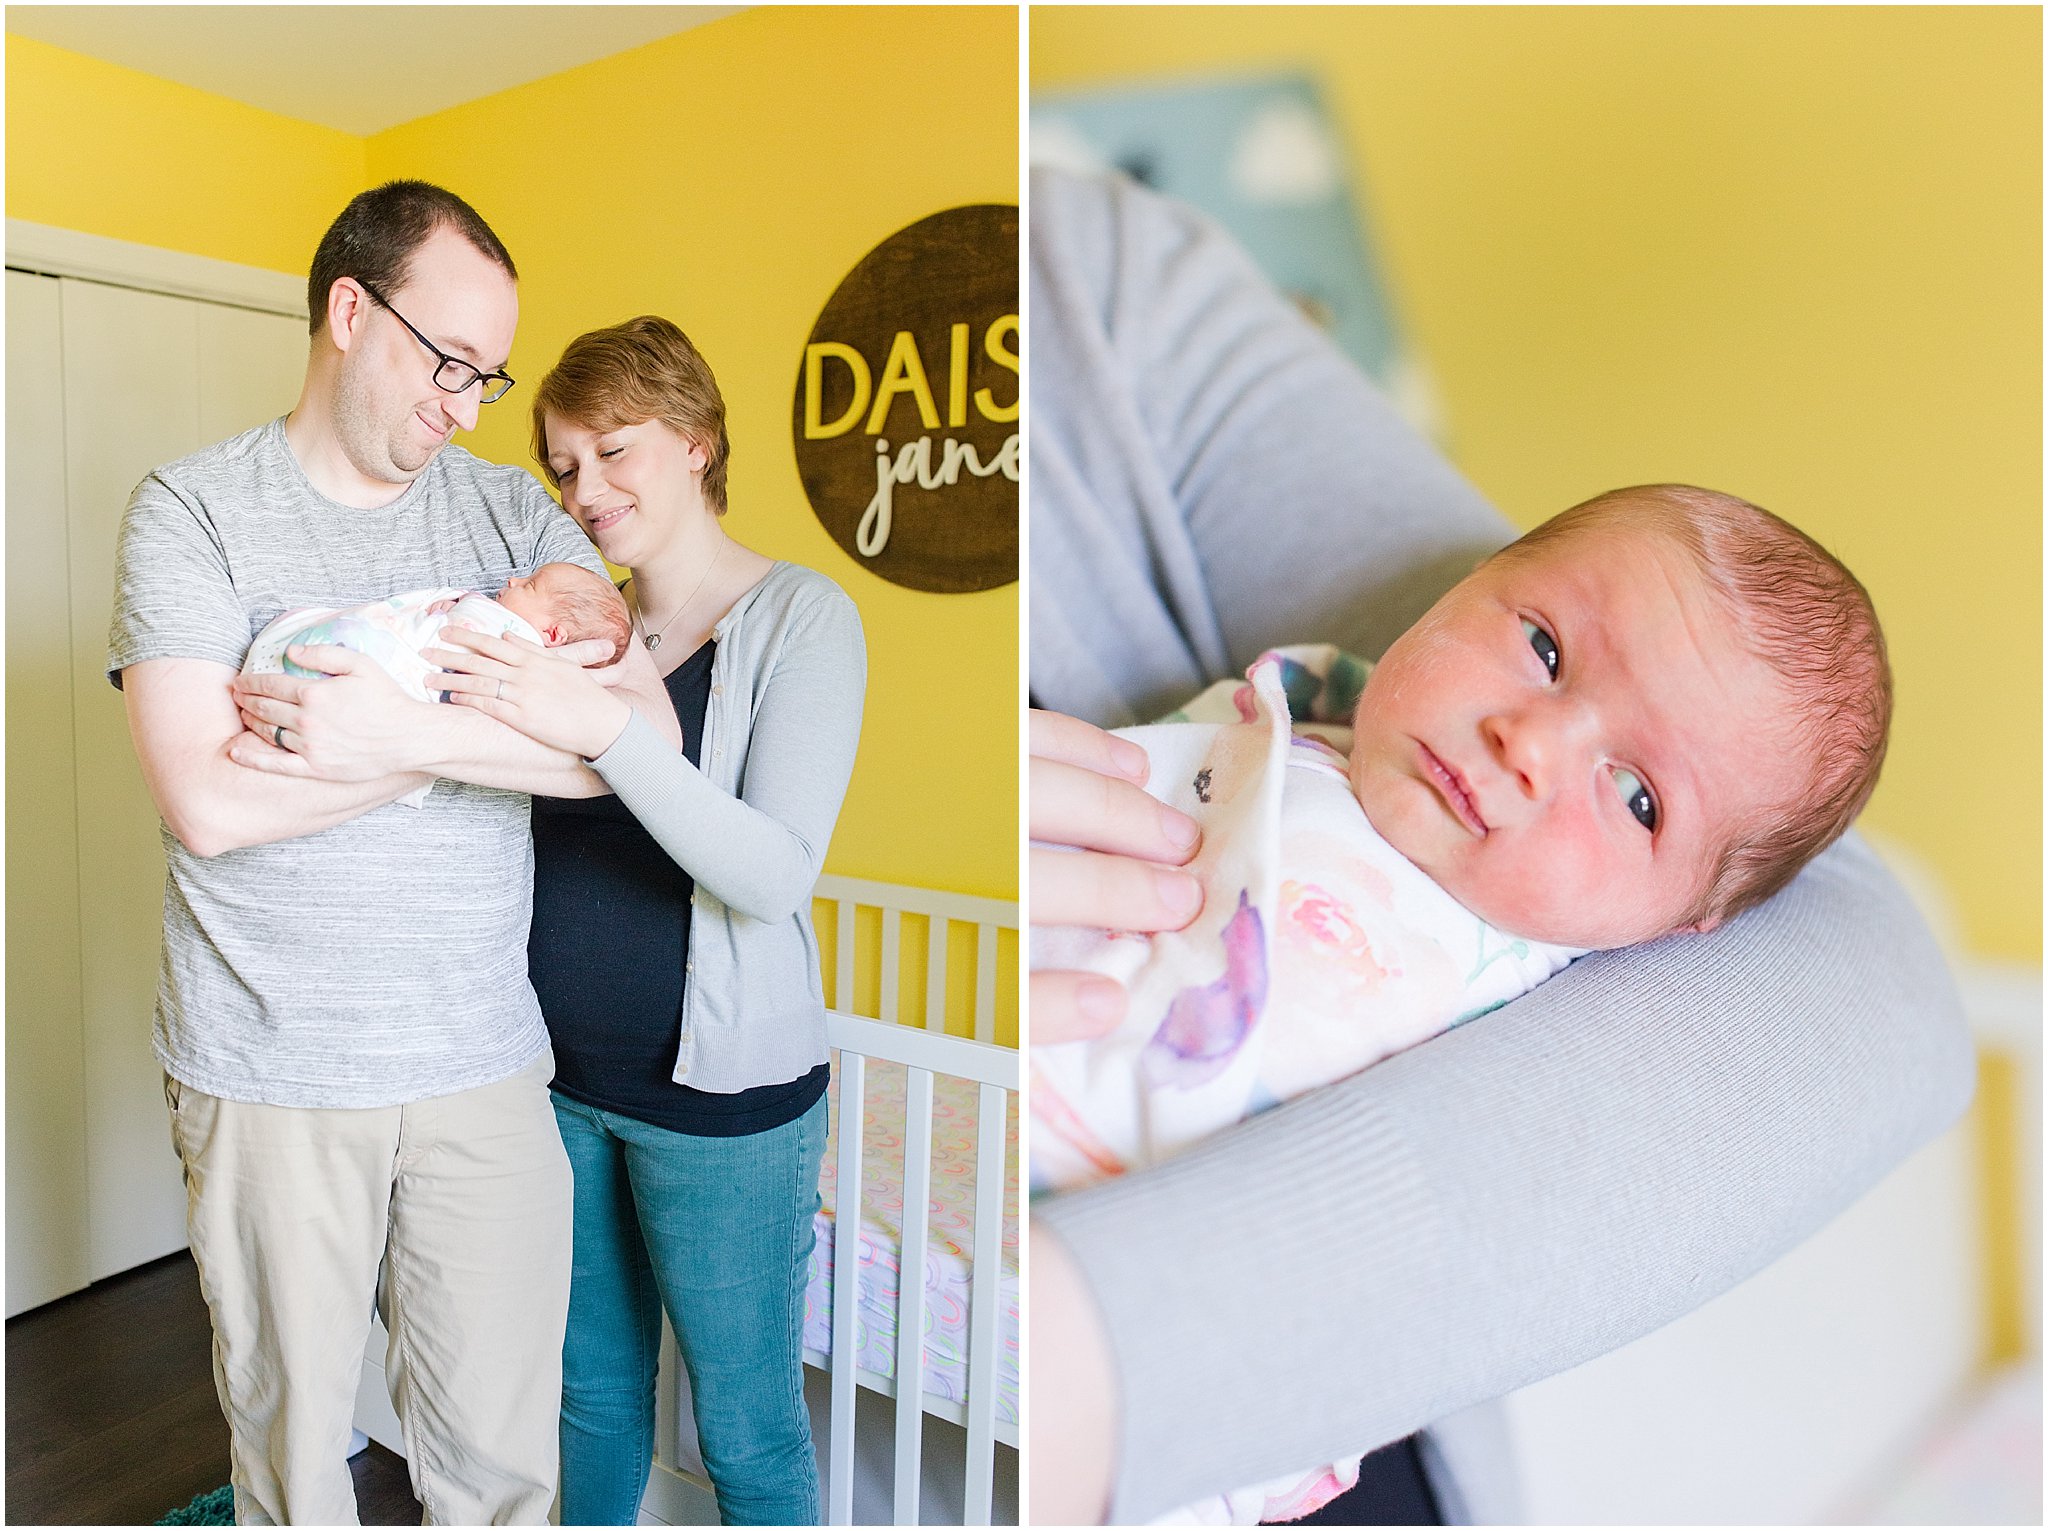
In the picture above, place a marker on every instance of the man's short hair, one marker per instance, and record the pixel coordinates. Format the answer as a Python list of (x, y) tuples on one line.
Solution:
[(377, 234), (1800, 611), (644, 369)]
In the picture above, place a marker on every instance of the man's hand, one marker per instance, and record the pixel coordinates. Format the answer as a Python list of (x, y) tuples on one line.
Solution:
[(188, 731), (353, 723), (1087, 791)]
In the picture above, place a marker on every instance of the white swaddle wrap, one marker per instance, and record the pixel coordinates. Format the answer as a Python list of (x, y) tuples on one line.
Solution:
[(392, 632), (1319, 950)]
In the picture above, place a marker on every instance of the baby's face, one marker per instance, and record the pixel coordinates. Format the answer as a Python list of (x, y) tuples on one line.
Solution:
[(537, 597), (1566, 742), (532, 596)]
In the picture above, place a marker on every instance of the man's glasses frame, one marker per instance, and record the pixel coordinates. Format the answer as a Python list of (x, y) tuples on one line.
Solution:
[(453, 374)]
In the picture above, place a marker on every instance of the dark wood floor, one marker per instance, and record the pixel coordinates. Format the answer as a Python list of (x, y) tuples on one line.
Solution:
[(111, 1415)]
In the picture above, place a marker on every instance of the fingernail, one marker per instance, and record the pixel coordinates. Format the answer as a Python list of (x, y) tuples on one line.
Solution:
[(1181, 831), (1100, 1000), (1180, 893), (1130, 758)]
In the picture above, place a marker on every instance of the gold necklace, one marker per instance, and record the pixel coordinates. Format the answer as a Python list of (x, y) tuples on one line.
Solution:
[(653, 639)]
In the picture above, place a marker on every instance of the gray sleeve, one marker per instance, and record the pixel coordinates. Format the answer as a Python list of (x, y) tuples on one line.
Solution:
[(173, 595), (761, 851), (1521, 1194), (1209, 476), (557, 537)]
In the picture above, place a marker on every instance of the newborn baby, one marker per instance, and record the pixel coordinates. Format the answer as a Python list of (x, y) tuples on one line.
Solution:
[(558, 603), (1637, 721)]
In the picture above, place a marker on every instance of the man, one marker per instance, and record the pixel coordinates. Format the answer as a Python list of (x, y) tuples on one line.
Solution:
[(355, 1064)]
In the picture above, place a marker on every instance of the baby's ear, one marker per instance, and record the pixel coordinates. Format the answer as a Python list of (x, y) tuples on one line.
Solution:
[(552, 636), (1701, 927)]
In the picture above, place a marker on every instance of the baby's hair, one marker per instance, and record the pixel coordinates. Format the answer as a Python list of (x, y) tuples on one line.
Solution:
[(593, 609), (1806, 616)]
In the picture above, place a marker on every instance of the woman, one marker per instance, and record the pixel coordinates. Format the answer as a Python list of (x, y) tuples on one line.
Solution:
[(1212, 478), (671, 945)]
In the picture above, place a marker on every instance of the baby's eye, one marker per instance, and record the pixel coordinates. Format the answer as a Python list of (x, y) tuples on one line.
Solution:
[(1637, 797), (1544, 645), (610, 452)]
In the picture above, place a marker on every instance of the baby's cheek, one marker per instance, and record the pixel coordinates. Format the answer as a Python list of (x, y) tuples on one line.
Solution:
[(1395, 809), (1535, 891)]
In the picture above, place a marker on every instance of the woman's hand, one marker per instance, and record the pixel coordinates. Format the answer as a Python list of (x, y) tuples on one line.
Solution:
[(1075, 1407), (542, 694), (1087, 791)]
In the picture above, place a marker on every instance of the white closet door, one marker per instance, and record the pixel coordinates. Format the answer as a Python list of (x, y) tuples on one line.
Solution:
[(131, 403), (46, 1157), (147, 379), (250, 368)]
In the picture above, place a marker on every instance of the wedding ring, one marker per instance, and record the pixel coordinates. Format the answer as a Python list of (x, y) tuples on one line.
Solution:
[(501, 688), (277, 736)]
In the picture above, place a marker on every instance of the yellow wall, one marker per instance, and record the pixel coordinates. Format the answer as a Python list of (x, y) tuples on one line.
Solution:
[(727, 178), (102, 149), (1791, 253)]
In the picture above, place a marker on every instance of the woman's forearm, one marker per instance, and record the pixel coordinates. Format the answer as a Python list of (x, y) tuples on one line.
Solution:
[(1528, 1191), (462, 744), (1074, 1404), (759, 851), (1519, 1195), (745, 858)]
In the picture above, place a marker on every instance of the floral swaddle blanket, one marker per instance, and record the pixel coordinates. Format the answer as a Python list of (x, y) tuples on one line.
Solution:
[(392, 632), (1319, 951)]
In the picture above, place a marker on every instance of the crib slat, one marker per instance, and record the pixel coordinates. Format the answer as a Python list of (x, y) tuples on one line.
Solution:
[(985, 1296), (911, 1295), (892, 946), (842, 979), (935, 974), (845, 1277), (985, 984)]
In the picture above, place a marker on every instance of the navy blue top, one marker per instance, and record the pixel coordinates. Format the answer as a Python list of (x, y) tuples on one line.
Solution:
[(611, 929)]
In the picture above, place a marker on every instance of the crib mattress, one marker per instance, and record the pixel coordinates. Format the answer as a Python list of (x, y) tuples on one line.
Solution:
[(949, 1250)]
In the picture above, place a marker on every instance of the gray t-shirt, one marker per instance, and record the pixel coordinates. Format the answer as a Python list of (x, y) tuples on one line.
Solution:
[(382, 960)]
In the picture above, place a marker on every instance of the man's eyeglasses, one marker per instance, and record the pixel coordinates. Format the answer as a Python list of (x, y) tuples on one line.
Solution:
[(454, 374)]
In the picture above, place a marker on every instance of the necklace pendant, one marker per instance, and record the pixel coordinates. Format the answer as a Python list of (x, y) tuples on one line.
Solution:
[(653, 641)]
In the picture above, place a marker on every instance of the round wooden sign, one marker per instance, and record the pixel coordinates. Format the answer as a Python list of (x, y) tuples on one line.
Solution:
[(906, 414)]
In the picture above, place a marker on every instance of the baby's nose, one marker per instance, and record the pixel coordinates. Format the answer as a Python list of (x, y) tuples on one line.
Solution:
[(1534, 745), (1519, 755)]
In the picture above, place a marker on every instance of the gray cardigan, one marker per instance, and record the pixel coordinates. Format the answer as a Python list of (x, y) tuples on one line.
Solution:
[(1210, 477), (751, 824)]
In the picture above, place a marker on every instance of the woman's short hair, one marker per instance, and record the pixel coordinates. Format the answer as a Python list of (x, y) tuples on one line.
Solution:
[(644, 369)]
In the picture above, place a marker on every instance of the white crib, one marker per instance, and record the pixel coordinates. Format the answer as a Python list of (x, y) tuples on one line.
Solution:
[(885, 1030)]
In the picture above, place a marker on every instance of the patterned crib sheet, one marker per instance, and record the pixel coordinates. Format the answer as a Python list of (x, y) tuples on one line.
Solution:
[(949, 1250)]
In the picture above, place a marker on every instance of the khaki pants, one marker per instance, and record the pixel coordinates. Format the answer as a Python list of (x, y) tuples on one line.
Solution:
[(466, 1198)]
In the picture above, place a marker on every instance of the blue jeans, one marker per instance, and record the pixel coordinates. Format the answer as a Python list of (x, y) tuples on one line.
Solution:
[(717, 1231)]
